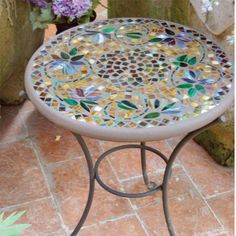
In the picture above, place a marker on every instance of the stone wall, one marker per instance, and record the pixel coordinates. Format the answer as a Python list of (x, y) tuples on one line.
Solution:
[(17, 44)]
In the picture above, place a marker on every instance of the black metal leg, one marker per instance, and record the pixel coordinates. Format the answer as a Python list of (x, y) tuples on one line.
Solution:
[(167, 174), (150, 185), (91, 184)]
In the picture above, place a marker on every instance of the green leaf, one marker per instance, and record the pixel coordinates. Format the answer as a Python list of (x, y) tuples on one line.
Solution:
[(200, 88), (71, 101), (192, 92), (155, 40), (73, 51), (192, 61), (129, 104), (82, 104), (183, 58), (152, 115), (184, 86), (108, 30), (168, 106), (126, 105), (89, 102), (65, 56), (14, 230), (134, 35), (1, 216), (6, 225), (11, 219), (120, 105), (181, 64)]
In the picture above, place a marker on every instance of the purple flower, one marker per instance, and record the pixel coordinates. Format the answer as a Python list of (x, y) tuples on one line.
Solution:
[(71, 8), (39, 3)]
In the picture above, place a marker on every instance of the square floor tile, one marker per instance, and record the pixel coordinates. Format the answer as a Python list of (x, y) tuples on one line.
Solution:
[(21, 179)]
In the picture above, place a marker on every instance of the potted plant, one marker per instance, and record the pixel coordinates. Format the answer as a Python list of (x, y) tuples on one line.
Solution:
[(63, 13)]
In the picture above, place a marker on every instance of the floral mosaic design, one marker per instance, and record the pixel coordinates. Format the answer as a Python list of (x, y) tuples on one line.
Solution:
[(131, 73)]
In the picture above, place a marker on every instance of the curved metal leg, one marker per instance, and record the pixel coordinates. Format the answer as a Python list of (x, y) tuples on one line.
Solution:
[(91, 184), (150, 185), (168, 173)]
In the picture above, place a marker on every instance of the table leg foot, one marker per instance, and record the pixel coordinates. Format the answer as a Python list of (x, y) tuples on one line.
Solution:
[(91, 184)]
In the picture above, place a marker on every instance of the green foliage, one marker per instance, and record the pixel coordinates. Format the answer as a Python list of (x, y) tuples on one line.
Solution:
[(40, 18), (7, 226)]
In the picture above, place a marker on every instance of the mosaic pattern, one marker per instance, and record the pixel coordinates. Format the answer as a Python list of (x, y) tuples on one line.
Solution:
[(131, 73)]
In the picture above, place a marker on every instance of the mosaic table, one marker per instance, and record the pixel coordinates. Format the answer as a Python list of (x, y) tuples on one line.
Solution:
[(131, 79)]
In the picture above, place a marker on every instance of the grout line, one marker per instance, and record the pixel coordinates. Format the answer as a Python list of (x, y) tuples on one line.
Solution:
[(152, 174), (141, 222), (219, 194), (16, 138), (24, 203), (116, 218), (89, 226), (213, 232), (58, 163), (37, 154), (126, 216)]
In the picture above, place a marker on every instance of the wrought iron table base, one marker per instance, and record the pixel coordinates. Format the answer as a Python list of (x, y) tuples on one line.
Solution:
[(151, 186)]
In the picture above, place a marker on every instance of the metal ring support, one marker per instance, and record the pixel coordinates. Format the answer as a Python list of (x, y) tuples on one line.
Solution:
[(122, 194)]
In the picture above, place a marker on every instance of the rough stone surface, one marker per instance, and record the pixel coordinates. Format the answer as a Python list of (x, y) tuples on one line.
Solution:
[(219, 19), (160, 9), (17, 44), (219, 141)]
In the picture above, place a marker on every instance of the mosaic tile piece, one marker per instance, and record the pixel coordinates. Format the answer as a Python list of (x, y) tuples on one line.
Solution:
[(133, 73)]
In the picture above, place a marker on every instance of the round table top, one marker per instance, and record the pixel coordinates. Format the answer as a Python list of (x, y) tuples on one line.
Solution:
[(130, 79)]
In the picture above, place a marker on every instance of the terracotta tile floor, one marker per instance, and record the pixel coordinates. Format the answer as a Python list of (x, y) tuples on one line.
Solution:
[(48, 179)]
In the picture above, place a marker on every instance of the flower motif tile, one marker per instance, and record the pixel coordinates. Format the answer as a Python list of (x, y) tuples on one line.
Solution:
[(133, 73)]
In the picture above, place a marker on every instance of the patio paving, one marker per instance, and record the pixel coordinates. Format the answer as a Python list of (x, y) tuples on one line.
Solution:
[(48, 178), (43, 171)]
